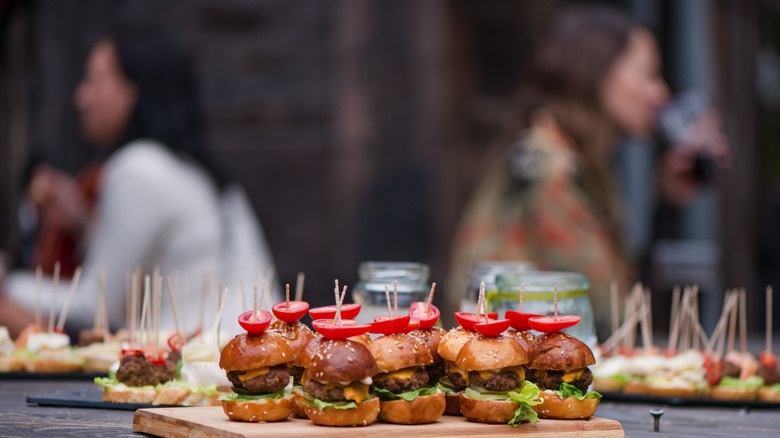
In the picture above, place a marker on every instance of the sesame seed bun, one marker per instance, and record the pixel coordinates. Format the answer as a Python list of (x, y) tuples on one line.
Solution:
[(397, 351), (259, 410), (487, 411), (568, 408), (452, 341), (248, 351), (341, 361), (421, 410), (430, 337), (490, 353), (558, 351), (364, 414)]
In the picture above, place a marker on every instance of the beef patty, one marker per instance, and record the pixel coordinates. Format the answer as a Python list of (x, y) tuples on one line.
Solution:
[(274, 380)]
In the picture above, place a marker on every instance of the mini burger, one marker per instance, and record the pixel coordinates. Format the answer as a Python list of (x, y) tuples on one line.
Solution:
[(402, 384), (302, 361), (297, 335), (337, 389), (455, 379), (739, 381), (558, 365), (430, 339), (258, 367), (497, 391)]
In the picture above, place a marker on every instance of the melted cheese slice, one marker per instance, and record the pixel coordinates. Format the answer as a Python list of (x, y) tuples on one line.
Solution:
[(454, 369), (251, 374), (356, 391), (573, 375), (485, 375), (402, 374)]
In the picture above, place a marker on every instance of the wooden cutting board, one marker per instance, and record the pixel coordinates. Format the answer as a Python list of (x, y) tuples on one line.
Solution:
[(210, 422)]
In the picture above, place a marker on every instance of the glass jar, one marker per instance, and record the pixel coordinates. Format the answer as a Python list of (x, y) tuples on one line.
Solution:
[(369, 292), (487, 272), (538, 298)]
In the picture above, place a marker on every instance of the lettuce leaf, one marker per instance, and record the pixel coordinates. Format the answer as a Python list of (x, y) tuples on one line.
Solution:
[(206, 390), (113, 383), (270, 396), (446, 385), (386, 395), (322, 404), (776, 387), (526, 396), (569, 390), (735, 382)]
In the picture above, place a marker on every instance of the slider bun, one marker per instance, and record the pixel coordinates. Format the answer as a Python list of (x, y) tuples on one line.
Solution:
[(430, 337), (452, 341), (484, 353), (559, 352), (248, 351), (453, 404), (397, 351), (488, 411), (341, 360), (732, 393), (129, 395), (259, 410), (364, 414), (568, 408), (421, 410)]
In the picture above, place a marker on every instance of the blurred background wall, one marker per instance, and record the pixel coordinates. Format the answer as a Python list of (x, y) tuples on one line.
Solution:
[(359, 127)]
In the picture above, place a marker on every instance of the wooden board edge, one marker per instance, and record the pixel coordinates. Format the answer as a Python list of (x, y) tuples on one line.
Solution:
[(157, 422), (152, 422)]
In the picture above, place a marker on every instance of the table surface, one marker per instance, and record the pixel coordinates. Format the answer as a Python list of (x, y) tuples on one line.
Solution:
[(18, 419)]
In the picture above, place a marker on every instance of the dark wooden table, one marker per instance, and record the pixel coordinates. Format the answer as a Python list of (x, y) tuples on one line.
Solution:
[(18, 419)]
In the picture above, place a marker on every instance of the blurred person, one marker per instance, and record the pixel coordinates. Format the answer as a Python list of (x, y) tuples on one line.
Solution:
[(552, 198), (155, 200)]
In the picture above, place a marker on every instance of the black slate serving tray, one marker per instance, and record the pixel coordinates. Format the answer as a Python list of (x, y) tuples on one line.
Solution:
[(88, 397), (685, 401)]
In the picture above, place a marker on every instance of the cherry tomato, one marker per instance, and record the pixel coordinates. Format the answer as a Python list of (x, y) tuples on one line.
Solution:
[(348, 328), (175, 341), (714, 370), (292, 312), (519, 320), (417, 313), (467, 320), (768, 360), (412, 326), (492, 328), (255, 323), (348, 311), (670, 352), (387, 325), (131, 352), (549, 324)]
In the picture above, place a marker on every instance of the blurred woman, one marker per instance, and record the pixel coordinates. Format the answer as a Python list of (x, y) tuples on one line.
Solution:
[(156, 200), (552, 199)]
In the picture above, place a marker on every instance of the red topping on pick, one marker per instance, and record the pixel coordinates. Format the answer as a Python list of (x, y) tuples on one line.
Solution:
[(714, 370), (131, 352), (768, 360), (519, 320), (348, 311), (549, 324), (255, 323), (467, 320), (412, 326), (387, 325), (348, 328), (290, 311), (175, 341), (492, 328), (427, 319)]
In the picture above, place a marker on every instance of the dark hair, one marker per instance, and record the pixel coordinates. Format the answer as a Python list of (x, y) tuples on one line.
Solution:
[(168, 107), (570, 66)]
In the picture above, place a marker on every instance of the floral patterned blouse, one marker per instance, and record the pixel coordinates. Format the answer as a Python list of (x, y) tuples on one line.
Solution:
[(532, 207)]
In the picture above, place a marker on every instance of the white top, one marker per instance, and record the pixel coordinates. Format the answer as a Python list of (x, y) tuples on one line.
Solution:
[(156, 209)]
